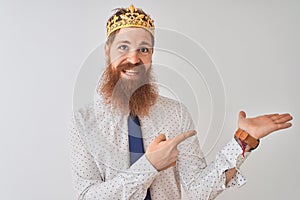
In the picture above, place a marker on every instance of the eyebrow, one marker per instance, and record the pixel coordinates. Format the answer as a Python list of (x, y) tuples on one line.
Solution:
[(124, 41), (127, 42), (145, 43)]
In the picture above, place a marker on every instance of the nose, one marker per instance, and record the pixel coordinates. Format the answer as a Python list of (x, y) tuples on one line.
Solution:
[(133, 57)]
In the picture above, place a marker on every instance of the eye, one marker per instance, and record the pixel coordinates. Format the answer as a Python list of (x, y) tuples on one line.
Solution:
[(123, 47), (144, 50)]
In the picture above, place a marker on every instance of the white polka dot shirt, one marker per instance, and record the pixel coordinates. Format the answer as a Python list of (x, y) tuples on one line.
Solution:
[(101, 163)]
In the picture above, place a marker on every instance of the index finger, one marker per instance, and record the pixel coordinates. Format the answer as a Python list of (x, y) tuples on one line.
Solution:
[(183, 136)]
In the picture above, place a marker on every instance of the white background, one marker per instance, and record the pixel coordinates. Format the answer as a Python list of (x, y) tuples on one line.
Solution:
[(255, 45)]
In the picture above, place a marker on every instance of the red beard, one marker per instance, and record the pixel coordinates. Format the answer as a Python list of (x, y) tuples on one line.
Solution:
[(134, 95)]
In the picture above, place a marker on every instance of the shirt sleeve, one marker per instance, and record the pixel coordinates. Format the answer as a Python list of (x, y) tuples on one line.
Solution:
[(91, 185), (202, 181)]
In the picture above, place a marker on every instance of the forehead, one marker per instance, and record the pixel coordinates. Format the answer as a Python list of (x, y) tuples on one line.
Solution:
[(133, 35)]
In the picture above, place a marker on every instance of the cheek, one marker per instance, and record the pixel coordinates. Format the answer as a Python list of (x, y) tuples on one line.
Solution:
[(148, 62), (147, 66), (116, 60)]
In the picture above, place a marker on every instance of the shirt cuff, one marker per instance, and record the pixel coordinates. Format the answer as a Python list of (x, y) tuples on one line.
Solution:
[(144, 171), (143, 165), (232, 153)]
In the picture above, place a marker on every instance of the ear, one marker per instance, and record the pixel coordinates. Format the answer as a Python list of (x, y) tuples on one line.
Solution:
[(106, 50), (152, 50)]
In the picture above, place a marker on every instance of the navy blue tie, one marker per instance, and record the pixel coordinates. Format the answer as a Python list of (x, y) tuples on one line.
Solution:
[(136, 147)]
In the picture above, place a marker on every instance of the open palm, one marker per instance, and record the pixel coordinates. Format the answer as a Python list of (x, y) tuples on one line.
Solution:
[(263, 125)]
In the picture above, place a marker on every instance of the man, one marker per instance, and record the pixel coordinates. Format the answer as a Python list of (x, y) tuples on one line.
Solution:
[(133, 143)]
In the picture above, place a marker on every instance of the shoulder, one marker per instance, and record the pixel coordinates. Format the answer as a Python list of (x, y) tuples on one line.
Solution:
[(166, 101), (83, 116), (86, 111), (90, 111), (170, 117), (171, 104), (173, 109)]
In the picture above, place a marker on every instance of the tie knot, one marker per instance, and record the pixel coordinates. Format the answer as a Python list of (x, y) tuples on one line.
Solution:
[(135, 119)]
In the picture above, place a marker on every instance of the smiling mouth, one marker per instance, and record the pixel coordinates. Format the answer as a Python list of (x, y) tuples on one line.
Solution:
[(130, 72)]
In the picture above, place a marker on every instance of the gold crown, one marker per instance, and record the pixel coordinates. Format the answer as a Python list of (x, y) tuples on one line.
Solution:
[(131, 18)]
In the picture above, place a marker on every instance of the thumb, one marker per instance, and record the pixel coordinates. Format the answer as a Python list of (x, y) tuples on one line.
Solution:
[(242, 115), (159, 138)]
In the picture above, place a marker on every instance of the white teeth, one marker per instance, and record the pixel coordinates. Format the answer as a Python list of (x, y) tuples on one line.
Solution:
[(131, 71)]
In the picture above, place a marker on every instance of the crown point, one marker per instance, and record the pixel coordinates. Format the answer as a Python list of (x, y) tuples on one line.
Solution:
[(132, 8)]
